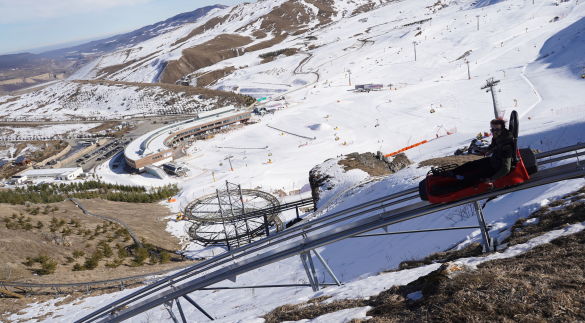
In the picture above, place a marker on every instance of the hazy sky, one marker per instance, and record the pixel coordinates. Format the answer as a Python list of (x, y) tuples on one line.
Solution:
[(30, 24)]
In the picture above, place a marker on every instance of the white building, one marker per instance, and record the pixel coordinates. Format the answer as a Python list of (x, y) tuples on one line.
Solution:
[(19, 179), (64, 174)]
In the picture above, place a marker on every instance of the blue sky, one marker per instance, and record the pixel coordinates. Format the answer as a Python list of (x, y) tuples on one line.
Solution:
[(31, 24)]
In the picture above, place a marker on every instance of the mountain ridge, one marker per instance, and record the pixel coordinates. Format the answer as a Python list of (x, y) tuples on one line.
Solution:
[(22, 70)]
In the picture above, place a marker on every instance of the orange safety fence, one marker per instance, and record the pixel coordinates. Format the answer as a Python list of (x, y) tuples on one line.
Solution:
[(406, 148)]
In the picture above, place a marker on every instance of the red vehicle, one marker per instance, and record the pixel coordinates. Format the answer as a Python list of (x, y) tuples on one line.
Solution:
[(439, 187)]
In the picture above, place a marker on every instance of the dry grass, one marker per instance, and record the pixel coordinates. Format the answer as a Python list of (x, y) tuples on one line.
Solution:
[(573, 211), (267, 44), (222, 47), (541, 285), (210, 78), (271, 56), (310, 310), (545, 284), (210, 24), (372, 166), (147, 220), (472, 250), (9, 99), (107, 71), (364, 8), (16, 245), (104, 126), (448, 160)]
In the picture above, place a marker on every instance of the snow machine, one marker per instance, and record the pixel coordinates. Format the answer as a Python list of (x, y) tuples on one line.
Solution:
[(441, 187)]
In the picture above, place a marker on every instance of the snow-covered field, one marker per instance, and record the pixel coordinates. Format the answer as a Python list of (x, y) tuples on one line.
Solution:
[(535, 50), (46, 131), (66, 100)]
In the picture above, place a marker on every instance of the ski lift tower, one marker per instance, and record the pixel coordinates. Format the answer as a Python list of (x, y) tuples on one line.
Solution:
[(489, 87)]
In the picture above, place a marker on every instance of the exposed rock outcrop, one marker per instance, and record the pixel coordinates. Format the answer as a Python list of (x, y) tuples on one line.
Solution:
[(340, 173)]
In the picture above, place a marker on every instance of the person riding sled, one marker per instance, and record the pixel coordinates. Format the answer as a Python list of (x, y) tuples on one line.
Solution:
[(498, 163), (504, 166)]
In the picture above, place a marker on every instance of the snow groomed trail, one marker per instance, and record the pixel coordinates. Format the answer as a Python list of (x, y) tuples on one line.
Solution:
[(307, 237)]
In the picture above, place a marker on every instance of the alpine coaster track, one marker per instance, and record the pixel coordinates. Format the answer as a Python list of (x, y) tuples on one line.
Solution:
[(306, 237)]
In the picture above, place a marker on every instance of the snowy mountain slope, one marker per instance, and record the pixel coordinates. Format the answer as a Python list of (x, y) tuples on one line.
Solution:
[(257, 26), (550, 101), (105, 100)]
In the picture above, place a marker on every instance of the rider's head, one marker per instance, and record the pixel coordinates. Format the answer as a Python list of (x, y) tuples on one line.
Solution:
[(497, 126)]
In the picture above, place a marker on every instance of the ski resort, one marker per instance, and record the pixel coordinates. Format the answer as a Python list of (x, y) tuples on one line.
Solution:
[(165, 144), (303, 161)]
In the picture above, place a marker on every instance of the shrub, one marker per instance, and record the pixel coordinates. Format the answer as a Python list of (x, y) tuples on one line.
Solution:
[(66, 232), (48, 264), (165, 257), (140, 256), (90, 263), (48, 267), (122, 252), (115, 263), (78, 253), (105, 249), (29, 262)]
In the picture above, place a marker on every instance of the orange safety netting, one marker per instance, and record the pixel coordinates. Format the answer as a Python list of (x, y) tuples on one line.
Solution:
[(406, 148)]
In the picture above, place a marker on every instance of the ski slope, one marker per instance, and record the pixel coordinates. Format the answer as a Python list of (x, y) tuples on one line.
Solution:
[(537, 58)]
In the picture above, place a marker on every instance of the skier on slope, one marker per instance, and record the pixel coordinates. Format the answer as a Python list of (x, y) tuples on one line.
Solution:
[(494, 167)]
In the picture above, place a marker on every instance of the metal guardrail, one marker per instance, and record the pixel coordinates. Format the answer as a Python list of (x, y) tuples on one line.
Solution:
[(304, 238), (279, 208), (564, 150), (88, 284)]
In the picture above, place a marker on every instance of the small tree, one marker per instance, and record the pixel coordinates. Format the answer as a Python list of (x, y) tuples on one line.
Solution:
[(140, 256), (78, 253), (165, 257)]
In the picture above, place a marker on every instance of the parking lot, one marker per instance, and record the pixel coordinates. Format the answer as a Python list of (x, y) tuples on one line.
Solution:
[(100, 154)]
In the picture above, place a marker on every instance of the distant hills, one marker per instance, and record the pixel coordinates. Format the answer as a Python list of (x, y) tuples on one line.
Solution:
[(23, 70), (131, 38)]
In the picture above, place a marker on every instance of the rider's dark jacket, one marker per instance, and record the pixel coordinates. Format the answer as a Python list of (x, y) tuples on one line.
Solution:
[(502, 153)]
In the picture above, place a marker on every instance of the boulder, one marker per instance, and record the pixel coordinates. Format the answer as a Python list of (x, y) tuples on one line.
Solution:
[(337, 174)]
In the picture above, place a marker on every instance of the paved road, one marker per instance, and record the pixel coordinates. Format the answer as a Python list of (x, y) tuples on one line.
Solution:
[(78, 121)]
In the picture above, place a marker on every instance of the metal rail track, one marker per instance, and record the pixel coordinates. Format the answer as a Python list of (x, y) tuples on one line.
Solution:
[(86, 285), (306, 237)]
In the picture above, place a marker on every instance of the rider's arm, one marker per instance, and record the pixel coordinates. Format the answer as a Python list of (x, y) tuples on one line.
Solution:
[(505, 163), (489, 149), (505, 168)]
